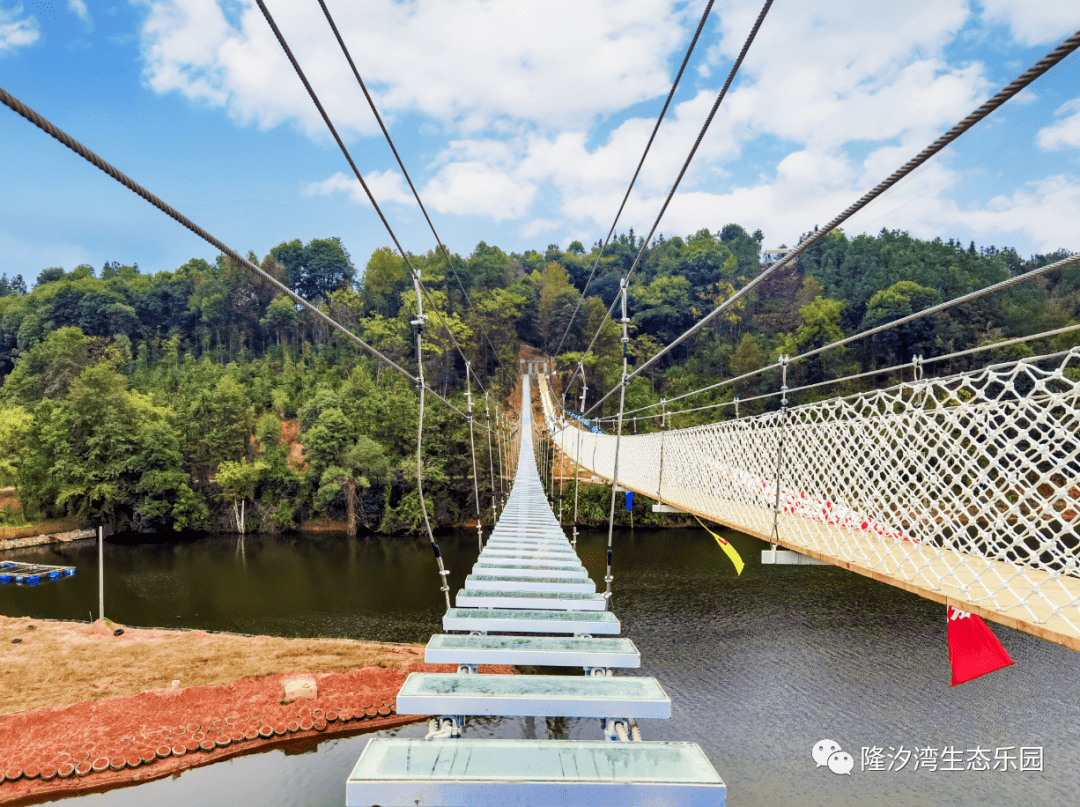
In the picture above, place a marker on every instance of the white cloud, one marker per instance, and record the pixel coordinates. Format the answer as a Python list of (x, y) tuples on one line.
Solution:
[(1046, 211), (469, 62), (476, 189), (1064, 133), (385, 186), (79, 9), (1034, 22), (17, 31), (849, 83), (528, 112), (537, 226)]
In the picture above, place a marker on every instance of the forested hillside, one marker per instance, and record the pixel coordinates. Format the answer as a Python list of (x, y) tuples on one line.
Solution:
[(163, 401)]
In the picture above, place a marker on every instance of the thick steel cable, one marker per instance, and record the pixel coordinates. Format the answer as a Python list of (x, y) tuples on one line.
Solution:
[(935, 309), (883, 371), (401, 165), (682, 173), (641, 162), (1006, 343), (49, 128), (1003, 95), (344, 150)]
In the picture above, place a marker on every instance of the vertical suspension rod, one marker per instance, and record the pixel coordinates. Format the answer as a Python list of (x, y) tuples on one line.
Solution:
[(774, 537), (491, 459), (577, 459), (625, 321), (472, 451), (419, 324), (663, 432)]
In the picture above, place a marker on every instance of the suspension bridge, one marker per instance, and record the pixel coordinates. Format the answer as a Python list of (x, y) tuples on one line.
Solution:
[(961, 489), (528, 580)]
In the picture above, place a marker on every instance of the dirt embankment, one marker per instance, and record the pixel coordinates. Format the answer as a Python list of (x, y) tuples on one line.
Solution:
[(84, 709), (9, 504)]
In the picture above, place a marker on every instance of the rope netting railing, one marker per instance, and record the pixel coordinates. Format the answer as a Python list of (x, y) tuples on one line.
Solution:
[(964, 489)]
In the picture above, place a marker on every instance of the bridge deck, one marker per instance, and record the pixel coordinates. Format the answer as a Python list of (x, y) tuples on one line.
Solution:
[(540, 773), (532, 600), (528, 579), (1019, 595), (507, 581), (914, 567), (542, 650), (510, 620), (533, 695), (530, 570)]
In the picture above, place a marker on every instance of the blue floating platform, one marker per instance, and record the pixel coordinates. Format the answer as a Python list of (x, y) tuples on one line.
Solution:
[(31, 574)]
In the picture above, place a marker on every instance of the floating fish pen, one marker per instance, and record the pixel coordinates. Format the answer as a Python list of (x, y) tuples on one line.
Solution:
[(30, 574)]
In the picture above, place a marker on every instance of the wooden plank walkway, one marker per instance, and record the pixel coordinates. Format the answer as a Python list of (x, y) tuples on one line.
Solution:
[(529, 580)]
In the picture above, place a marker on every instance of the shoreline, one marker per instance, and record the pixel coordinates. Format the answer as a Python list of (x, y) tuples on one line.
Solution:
[(60, 746)]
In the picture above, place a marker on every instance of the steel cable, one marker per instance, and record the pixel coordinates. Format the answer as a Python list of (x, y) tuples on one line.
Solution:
[(401, 165), (1003, 95), (678, 180), (42, 123), (341, 145), (641, 162), (869, 373), (936, 309)]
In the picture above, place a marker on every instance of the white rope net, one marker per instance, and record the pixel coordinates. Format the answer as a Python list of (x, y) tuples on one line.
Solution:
[(964, 489)]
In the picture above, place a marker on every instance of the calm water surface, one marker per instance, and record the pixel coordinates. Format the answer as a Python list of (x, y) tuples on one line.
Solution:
[(759, 667)]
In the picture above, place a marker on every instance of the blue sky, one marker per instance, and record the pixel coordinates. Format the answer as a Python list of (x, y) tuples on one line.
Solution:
[(522, 122)]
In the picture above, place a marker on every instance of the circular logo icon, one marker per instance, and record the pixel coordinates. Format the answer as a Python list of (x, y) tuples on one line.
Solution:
[(823, 750), (841, 762)]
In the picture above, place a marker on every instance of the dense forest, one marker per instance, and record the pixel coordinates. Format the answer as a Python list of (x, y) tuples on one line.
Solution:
[(186, 399)]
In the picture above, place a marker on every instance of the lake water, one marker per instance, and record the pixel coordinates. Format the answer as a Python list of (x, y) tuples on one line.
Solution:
[(759, 667)]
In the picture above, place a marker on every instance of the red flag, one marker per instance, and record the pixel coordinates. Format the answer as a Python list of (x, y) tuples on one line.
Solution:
[(974, 650)]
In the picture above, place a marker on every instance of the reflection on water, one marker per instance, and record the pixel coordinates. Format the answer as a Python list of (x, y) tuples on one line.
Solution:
[(759, 667)]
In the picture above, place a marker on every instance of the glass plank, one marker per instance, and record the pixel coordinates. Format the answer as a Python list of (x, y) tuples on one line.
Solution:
[(533, 695), (534, 761)]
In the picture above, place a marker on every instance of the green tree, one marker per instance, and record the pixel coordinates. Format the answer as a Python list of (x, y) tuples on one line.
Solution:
[(280, 319), (315, 271), (50, 368), (15, 426), (237, 481), (362, 463), (662, 309), (897, 345)]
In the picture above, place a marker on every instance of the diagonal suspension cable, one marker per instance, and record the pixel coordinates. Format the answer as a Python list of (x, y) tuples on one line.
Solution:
[(341, 144), (1004, 94), (49, 128), (701, 135), (641, 162), (847, 340), (1019, 340), (416, 195)]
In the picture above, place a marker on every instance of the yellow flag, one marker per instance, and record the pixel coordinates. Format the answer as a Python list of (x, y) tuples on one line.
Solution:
[(729, 550)]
